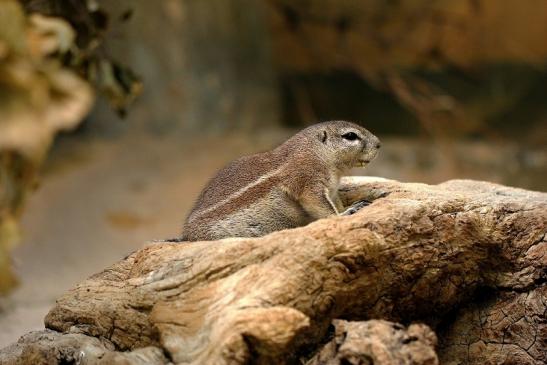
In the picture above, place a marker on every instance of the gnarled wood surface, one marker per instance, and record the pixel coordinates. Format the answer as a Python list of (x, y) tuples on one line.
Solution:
[(378, 342), (467, 258)]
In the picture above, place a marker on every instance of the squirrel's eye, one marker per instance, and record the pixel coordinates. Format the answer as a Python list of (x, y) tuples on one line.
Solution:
[(350, 136)]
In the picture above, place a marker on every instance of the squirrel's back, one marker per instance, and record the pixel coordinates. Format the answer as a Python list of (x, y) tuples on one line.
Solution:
[(231, 183)]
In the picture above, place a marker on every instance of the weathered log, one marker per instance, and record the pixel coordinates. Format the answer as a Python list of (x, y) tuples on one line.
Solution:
[(417, 254)]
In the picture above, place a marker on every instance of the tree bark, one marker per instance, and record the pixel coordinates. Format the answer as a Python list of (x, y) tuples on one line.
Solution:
[(466, 258)]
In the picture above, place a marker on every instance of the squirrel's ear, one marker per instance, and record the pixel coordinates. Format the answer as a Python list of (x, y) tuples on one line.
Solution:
[(323, 136)]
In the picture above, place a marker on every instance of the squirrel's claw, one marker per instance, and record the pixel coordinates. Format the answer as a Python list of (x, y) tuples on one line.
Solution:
[(355, 207)]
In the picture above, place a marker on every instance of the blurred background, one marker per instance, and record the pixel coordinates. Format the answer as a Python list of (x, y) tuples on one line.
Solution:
[(113, 115)]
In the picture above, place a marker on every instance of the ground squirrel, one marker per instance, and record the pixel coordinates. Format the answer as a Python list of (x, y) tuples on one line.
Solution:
[(287, 187)]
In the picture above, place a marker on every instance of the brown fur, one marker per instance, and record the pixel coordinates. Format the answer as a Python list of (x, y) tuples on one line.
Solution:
[(287, 187)]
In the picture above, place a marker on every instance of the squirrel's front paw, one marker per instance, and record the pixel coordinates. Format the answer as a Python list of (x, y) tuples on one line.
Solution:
[(355, 207)]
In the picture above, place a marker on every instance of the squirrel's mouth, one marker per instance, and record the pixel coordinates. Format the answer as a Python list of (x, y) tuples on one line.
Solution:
[(365, 158), (362, 163)]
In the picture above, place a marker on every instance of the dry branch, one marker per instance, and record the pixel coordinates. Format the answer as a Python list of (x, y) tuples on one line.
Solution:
[(418, 254)]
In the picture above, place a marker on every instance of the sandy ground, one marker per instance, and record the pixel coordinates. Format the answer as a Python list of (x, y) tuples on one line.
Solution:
[(101, 199)]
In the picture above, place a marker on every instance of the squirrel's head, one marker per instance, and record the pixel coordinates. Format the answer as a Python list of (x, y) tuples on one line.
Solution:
[(346, 144)]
